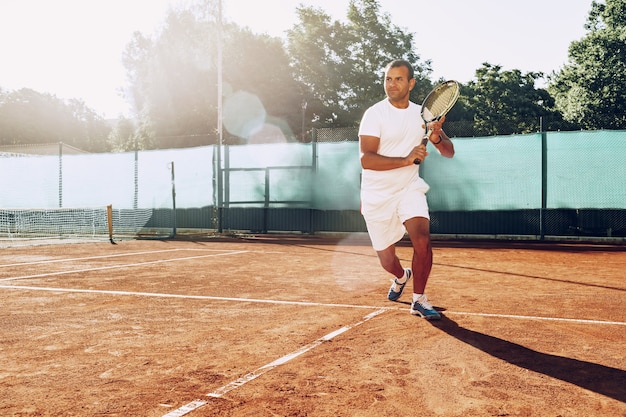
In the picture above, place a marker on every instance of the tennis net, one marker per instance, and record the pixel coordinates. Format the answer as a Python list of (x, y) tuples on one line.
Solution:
[(91, 223)]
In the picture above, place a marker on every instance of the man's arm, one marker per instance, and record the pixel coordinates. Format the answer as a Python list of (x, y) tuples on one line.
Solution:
[(440, 140), (371, 159)]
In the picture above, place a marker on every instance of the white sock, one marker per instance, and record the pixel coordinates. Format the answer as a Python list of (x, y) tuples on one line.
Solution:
[(417, 297), (399, 281), (403, 278)]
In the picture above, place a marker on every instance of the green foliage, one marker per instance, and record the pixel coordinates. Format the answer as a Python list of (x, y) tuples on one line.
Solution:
[(325, 74), (507, 102), (317, 47), (591, 89), (259, 65), (341, 64), (174, 77), (29, 117)]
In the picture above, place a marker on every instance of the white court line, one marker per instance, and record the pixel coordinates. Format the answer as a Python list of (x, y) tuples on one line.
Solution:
[(102, 268), (513, 316), (117, 255), (189, 297), (298, 303), (194, 405)]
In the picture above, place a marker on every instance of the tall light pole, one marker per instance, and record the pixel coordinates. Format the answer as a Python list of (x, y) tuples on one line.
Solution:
[(303, 132), (220, 47), (218, 170)]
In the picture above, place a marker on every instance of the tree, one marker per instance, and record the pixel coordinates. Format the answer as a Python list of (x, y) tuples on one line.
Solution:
[(507, 102), (378, 42), (30, 117), (123, 138), (259, 66), (90, 131), (173, 77), (341, 64), (590, 89), (172, 81)]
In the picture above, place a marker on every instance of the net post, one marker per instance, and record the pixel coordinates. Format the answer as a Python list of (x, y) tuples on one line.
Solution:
[(110, 222)]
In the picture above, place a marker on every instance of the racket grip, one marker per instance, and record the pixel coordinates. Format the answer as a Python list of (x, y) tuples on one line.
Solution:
[(424, 142)]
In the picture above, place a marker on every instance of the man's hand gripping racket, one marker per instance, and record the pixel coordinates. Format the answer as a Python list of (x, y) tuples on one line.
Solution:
[(437, 104)]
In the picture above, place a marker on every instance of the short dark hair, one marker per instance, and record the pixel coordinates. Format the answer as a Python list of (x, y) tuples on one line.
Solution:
[(401, 63)]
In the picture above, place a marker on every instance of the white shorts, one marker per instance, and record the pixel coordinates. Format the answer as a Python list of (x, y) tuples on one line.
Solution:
[(387, 231)]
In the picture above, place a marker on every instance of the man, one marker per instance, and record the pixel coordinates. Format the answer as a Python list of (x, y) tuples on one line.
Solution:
[(393, 196)]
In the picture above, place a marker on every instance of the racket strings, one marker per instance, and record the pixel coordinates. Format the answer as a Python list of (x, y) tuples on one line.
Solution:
[(440, 102)]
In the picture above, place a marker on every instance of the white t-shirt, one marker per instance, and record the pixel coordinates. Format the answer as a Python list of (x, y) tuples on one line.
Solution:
[(399, 130)]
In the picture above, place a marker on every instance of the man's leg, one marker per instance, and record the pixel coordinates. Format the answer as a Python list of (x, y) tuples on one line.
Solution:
[(418, 229), (419, 232), (390, 262)]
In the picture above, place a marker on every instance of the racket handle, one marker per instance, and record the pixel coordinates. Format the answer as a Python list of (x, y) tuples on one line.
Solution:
[(424, 142)]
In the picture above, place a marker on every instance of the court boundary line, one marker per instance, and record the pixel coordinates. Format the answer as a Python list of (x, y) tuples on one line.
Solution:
[(515, 316), (218, 393), (221, 391), (192, 297), (104, 268), (300, 303), (117, 255)]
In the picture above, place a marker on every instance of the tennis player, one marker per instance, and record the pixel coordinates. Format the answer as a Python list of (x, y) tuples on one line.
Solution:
[(393, 195)]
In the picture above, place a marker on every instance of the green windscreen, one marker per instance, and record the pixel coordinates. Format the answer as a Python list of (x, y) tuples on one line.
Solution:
[(559, 178), (586, 169), (492, 173)]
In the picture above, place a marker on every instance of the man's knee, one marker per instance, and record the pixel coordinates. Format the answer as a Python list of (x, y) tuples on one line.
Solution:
[(387, 260)]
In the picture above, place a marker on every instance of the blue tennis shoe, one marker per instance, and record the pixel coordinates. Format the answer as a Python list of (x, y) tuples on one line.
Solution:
[(423, 308), (394, 295)]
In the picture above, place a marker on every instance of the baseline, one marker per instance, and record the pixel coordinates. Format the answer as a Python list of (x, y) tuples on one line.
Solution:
[(299, 303), (191, 297), (514, 316)]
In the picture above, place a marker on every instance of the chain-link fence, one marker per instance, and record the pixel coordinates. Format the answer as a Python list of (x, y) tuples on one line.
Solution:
[(534, 185)]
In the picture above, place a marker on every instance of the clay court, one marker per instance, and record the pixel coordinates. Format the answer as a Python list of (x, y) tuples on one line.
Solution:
[(300, 326)]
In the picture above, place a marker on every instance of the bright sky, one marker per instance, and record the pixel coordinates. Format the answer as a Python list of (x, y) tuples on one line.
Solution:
[(73, 48)]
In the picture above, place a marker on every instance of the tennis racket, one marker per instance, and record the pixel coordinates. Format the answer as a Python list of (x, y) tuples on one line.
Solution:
[(437, 104)]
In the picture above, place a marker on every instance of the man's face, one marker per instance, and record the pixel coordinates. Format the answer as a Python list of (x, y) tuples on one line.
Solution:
[(397, 83)]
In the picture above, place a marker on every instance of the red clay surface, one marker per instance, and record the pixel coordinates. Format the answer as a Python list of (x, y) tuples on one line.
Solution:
[(288, 326)]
